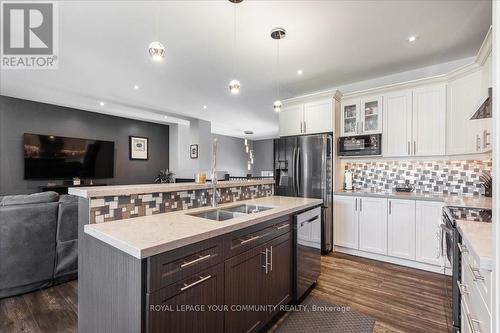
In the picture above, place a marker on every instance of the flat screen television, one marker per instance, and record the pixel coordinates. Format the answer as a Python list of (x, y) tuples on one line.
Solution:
[(57, 157)]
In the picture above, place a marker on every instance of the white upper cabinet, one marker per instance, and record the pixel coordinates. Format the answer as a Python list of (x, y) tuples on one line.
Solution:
[(396, 137), (373, 225), (307, 118), (401, 229), (464, 98), (371, 115), (361, 116), (428, 232), (291, 120), (318, 116), (429, 121)]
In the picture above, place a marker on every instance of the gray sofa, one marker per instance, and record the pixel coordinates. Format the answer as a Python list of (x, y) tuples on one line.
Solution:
[(38, 241)]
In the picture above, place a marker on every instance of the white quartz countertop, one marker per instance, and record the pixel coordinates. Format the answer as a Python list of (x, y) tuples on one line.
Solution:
[(146, 236), (477, 236), (450, 200), (117, 190)]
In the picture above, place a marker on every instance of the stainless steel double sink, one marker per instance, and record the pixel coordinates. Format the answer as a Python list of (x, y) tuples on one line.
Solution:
[(223, 214)]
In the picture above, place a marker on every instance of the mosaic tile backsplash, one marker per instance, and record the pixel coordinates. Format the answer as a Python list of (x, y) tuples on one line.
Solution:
[(446, 177), (123, 207)]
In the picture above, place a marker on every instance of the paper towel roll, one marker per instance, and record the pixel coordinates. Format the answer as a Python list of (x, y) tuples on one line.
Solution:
[(348, 180)]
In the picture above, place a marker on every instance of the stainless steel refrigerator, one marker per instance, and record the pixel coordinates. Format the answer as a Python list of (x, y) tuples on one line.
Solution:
[(304, 168)]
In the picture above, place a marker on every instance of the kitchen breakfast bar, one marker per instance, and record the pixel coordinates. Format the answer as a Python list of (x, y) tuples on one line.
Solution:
[(159, 258)]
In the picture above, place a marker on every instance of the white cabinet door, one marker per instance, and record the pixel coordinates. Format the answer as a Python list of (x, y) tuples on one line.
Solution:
[(371, 115), (345, 221), (464, 97), (373, 225), (349, 117), (428, 232), (397, 124), (401, 229), (318, 116), (429, 121), (291, 120), (485, 125)]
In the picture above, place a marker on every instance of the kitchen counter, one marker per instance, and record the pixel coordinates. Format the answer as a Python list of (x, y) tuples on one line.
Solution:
[(146, 236), (477, 236), (121, 190), (480, 202)]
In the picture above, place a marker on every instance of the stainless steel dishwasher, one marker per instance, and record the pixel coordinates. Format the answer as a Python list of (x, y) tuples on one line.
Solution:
[(307, 251)]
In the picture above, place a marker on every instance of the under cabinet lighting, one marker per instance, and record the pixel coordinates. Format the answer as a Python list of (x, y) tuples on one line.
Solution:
[(101, 103)]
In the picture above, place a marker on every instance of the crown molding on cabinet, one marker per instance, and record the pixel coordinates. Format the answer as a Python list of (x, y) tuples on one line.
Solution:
[(334, 93)]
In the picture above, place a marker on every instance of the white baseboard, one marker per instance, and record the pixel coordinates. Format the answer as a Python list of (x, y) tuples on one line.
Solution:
[(392, 260)]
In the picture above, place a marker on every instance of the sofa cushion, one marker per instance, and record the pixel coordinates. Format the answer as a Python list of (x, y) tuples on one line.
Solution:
[(24, 199)]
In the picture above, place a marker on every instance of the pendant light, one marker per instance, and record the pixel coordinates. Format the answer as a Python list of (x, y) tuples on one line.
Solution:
[(248, 150), (234, 85), (277, 34), (156, 49)]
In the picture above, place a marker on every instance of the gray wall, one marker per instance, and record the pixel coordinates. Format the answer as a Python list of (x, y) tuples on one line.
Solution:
[(21, 116), (263, 156), (231, 155)]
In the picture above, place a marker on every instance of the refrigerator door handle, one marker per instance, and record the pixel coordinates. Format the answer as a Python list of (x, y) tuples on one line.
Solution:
[(297, 179), (323, 170), (294, 173)]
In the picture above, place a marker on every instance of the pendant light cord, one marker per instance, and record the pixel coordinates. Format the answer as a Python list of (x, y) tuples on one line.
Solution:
[(235, 52), (278, 68)]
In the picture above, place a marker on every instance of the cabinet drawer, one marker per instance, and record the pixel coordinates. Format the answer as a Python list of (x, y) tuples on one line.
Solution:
[(167, 268), (479, 279), (475, 319), (189, 305), (248, 238)]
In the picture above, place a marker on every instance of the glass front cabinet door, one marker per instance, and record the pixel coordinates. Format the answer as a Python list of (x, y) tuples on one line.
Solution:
[(371, 120), (361, 116), (350, 118)]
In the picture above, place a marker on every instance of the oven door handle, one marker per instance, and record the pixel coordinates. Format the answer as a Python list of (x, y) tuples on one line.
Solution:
[(444, 230)]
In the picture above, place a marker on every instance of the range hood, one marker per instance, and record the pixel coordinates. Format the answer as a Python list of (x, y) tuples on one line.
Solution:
[(484, 110)]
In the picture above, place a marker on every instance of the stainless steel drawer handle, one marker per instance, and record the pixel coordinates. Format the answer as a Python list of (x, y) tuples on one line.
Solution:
[(462, 248), (463, 289), (188, 263), (202, 279), (271, 251), (282, 226), (249, 239), (265, 266), (476, 275), (471, 322)]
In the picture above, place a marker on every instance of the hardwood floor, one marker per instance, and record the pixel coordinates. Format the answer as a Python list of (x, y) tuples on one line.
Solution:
[(49, 310), (400, 299)]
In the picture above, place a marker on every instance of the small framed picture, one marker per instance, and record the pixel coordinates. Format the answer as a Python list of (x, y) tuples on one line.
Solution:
[(138, 148), (193, 151)]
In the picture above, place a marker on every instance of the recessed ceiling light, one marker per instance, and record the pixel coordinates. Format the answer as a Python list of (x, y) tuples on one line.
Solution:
[(101, 103), (205, 107), (300, 72), (136, 87), (412, 38)]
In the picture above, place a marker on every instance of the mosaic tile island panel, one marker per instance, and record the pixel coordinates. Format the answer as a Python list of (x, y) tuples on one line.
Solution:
[(111, 208), (446, 177)]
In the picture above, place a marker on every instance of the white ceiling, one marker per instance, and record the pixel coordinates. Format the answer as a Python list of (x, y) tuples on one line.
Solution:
[(103, 53)]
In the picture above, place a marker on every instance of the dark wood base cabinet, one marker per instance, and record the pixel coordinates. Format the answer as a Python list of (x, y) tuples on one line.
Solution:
[(233, 283), (255, 281)]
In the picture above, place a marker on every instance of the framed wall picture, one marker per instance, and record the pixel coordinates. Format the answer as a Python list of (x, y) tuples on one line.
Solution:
[(138, 148), (193, 151)]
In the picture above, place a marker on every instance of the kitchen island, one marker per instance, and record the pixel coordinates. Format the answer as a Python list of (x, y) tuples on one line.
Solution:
[(183, 271)]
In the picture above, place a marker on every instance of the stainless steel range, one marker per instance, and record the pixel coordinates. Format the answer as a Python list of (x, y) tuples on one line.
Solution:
[(452, 248)]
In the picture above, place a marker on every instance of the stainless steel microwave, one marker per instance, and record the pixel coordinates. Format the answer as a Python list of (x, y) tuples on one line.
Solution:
[(360, 145)]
